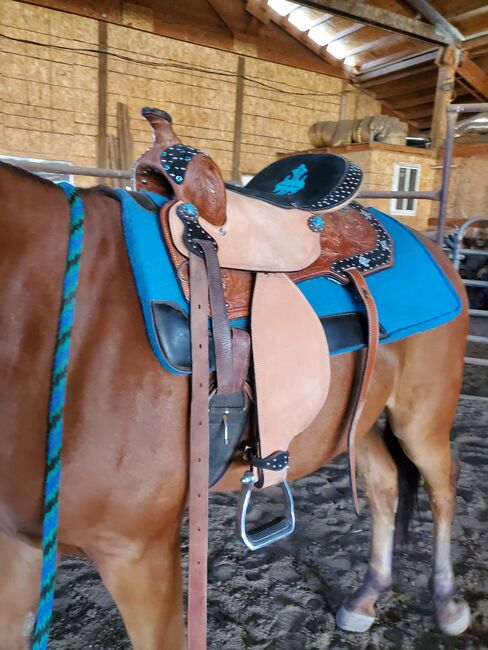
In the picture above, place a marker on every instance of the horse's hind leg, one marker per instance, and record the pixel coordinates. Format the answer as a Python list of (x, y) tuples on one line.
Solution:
[(421, 416), (20, 575), (144, 578), (379, 472), (432, 455)]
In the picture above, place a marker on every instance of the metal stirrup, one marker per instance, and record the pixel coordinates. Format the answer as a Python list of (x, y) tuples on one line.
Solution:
[(270, 532)]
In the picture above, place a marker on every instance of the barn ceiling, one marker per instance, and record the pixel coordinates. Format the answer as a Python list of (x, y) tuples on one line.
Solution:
[(391, 49)]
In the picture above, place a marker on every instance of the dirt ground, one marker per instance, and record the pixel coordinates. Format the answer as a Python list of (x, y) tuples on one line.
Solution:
[(285, 597)]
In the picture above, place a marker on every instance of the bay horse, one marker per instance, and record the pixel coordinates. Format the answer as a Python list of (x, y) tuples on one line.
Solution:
[(125, 457)]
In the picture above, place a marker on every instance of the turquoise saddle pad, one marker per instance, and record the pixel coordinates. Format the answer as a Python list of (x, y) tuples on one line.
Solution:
[(412, 296)]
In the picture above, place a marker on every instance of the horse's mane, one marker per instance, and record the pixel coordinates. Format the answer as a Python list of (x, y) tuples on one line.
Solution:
[(29, 176)]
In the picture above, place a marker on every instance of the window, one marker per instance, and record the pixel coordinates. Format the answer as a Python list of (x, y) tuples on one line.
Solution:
[(405, 179), (56, 177)]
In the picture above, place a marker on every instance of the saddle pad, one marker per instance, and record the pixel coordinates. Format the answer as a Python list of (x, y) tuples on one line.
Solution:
[(412, 296)]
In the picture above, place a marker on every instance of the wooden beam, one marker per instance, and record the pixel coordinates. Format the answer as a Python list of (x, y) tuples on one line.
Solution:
[(425, 110), (424, 125), (401, 102), (372, 45), (470, 93), (402, 74), (102, 95), (473, 43), (444, 93), (408, 48), (436, 19), (369, 15), (312, 46), (470, 13), (389, 90), (236, 153), (474, 75), (343, 34), (399, 64)]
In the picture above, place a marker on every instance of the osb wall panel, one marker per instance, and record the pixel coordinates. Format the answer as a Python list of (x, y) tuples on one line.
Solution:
[(49, 93), (359, 105), (280, 103), (380, 177), (468, 190), (195, 84), (378, 173)]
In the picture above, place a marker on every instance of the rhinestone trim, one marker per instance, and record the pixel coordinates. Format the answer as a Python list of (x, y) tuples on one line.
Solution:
[(175, 160), (367, 262), (348, 187)]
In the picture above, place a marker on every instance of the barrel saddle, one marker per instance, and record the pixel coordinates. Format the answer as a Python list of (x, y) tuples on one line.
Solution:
[(239, 253)]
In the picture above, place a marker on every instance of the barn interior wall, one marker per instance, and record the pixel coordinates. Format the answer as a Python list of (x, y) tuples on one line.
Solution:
[(51, 92), (380, 177), (377, 164), (468, 191)]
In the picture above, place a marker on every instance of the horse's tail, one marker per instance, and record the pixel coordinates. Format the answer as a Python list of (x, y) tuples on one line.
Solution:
[(408, 484)]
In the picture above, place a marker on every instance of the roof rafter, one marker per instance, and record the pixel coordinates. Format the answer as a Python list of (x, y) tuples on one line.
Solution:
[(370, 15), (474, 75), (436, 19), (398, 65)]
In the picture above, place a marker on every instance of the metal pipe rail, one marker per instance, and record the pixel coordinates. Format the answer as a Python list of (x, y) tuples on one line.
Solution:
[(379, 194), (453, 111), (457, 253), (60, 168)]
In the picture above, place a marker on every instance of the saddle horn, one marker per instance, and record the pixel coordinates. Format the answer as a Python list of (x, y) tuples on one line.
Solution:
[(178, 171), (162, 126)]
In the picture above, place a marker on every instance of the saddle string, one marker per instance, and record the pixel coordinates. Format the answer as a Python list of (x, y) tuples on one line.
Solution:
[(366, 373)]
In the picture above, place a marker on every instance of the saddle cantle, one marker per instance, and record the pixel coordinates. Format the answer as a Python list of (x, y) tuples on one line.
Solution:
[(246, 247)]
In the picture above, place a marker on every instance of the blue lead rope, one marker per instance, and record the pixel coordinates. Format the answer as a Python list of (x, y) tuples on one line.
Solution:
[(40, 637)]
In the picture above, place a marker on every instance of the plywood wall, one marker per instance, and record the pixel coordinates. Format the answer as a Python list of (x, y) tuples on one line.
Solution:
[(280, 103), (377, 163), (51, 92), (468, 195), (380, 177)]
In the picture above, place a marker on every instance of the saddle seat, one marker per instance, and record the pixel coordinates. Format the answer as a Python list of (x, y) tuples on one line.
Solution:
[(311, 182)]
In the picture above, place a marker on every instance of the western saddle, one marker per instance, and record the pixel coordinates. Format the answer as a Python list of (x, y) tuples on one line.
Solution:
[(238, 253)]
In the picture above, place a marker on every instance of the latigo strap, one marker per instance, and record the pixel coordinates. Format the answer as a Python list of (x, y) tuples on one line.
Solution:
[(366, 373)]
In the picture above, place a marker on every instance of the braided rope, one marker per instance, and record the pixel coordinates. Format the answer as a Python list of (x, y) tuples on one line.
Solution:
[(57, 399)]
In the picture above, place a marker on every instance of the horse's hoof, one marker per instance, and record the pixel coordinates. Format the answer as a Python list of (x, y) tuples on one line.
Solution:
[(457, 622), (353, 621)]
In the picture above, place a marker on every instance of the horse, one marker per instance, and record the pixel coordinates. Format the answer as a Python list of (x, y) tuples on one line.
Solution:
[(125, 457)]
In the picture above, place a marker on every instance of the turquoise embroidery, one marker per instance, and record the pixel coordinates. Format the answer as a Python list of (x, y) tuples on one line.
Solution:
[(294, 182)]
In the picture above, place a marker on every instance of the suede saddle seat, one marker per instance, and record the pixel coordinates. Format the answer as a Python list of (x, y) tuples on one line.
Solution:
[(311, 182)]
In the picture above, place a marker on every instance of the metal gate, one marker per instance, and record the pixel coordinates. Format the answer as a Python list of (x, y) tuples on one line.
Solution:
[(457, 254)]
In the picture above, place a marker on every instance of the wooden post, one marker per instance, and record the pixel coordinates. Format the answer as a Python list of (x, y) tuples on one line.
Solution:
[(236, 155), (102, 95), (343, 106), (448, 62)]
